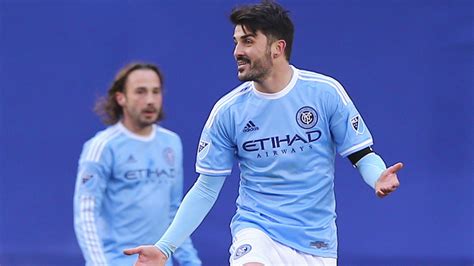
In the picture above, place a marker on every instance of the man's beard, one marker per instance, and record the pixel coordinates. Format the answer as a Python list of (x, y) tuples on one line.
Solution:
[(259, 68), (143, 122)]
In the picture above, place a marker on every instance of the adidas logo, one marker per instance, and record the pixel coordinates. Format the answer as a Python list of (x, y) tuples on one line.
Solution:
[(250, 127), (131, 159)]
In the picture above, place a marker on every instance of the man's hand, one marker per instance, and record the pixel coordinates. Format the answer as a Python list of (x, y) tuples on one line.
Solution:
[(388, 181), (147, 256)]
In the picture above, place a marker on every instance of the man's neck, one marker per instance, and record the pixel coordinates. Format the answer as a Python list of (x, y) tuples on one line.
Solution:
[(141, 131), (277, 80)]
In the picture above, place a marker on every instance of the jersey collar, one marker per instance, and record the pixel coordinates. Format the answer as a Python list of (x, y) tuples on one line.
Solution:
[(285, 91), (135, 136)]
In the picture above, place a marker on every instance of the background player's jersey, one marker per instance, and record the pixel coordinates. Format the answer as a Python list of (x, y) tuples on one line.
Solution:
[(128, 189), (285, 144)]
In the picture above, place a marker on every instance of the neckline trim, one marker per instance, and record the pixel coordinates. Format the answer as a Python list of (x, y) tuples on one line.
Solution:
[(133, 135), (285, 91)]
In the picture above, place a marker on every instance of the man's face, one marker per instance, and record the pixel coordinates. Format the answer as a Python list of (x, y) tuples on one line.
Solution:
[(253, 54), (142, 100)]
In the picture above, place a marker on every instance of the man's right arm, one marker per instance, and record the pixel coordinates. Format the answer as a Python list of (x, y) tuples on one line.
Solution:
[(90, 186), (195, 206)]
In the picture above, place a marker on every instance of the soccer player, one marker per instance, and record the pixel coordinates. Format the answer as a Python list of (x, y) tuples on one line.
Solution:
[(130, 177), (284, 126)]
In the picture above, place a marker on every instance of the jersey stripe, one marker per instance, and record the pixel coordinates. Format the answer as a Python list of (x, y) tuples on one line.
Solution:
[(242, 89), (98, 143), (88, 226), (208, 171), (313, 76), (357, 147)]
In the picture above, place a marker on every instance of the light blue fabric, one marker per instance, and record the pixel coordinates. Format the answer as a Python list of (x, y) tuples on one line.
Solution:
[(127, 192), (195, 206), (285, 145), (370, 167)]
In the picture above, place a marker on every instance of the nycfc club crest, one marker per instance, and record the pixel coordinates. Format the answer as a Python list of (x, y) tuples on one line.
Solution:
[(242, 250), (168, 155), (307, 117), (357, 124)]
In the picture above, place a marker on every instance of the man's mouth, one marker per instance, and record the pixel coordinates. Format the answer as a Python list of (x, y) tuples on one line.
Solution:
[(242, 62), (149, 111)]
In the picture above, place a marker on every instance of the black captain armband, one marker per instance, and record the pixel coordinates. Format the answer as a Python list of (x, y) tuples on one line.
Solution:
[(356, 156)]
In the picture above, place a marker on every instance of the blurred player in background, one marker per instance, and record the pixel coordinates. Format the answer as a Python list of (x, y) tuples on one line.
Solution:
[(284, 126), (130, 177)]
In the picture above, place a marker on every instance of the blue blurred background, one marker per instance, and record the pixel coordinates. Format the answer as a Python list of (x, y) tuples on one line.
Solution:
[(408, 66)]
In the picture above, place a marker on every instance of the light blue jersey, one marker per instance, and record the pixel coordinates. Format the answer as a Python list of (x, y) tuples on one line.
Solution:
[(127, 192), (285, 144)]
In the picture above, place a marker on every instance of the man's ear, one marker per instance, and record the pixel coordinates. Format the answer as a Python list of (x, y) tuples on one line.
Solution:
[(120, 98), (278, 48)]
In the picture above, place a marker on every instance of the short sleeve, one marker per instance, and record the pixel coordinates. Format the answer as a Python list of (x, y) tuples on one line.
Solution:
[(216, 149), (348, 129)]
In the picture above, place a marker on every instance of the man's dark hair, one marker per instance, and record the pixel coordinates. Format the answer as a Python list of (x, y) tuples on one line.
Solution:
[(268, 17), (107, 107)]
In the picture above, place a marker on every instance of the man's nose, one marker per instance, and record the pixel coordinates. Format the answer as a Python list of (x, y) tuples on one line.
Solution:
[(150, 98), (238, 51)]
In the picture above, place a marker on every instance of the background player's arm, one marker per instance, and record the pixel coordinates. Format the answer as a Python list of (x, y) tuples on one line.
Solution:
[(90, 186)]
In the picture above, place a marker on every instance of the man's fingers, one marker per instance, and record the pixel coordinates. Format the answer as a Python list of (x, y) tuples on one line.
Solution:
[(380, 194), (131, 251), (395, 168)]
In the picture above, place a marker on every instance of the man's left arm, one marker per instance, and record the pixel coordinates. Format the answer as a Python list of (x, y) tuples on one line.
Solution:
[(374, 171), (353, 139)]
